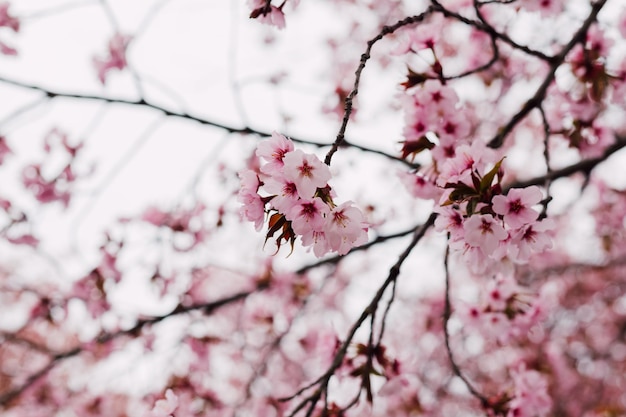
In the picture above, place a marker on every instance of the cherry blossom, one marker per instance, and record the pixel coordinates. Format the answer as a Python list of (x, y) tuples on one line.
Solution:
[(253, 208), (533, 238), (273, 151), (483, 231), (530, 398), (308, 215), (306, 171), (6, 19), (516, 206), (345, 228), (9, 21), (116, 58), (494, 286), (267, 13)]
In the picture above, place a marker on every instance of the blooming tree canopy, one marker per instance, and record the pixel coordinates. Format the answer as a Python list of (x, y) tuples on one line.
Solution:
[(313, 208)]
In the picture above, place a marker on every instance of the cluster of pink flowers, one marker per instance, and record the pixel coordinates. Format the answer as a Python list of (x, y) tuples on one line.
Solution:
[(530, 394), (484, 224), (464, 176), (116, 58), (50, 188), (433, 121), (299, 200), (506, 310)]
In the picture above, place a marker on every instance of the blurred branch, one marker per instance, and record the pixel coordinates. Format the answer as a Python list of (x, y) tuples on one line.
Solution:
[(446, 318), (62, 8), (584, 166), (488, 29), (555, 62), (386, 30), (335, 259), (184, 115), (322, 382), (205, 308)]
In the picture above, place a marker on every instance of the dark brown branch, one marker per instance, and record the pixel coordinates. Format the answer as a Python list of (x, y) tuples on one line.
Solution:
[(335, 259), (585, 166), (183, 115), (556, 62), (386, 30), (491, 32), (322, 382)]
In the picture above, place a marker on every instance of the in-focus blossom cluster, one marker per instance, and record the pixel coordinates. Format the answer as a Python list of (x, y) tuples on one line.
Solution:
[(465, 177), (291, 186), (116, 58), (435, 123), (484, 224), (9, 21)]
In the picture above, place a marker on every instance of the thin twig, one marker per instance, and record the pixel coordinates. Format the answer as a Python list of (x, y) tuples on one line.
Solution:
[(556, 62), (322, 381), (584, 166), (446, 317), (206, 308), (386, 30)]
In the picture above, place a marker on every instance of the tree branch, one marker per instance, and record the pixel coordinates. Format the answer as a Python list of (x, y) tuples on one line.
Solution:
[(323, 381), (206, 308), (184, 115), (386, 30), (555, 62)]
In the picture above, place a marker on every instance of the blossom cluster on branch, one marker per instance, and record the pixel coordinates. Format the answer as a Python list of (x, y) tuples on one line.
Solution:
[(464, 245), (300, 200)]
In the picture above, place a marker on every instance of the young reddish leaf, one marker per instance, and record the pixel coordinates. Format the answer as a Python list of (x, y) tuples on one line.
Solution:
[(413, 147)]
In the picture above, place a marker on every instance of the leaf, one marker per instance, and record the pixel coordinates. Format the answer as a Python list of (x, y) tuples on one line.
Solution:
[(413, 147), (414, 78), (486, 181), (461, 193)]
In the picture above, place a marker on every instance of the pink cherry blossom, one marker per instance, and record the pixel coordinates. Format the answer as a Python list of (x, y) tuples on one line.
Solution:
[(467, 159), (253, 208), (516, 206), (449, 220), (485, 232), (420, 186), (424, 36), (116, 58), (533, 238), (317, 239), (308, 216), (284, 191), (6, 20), (545, 7), (345, 228), (306, 171), (267, 13), (273, 151)]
